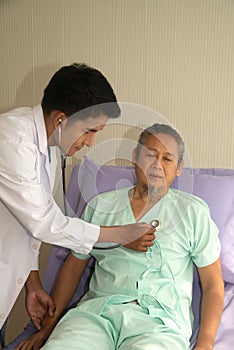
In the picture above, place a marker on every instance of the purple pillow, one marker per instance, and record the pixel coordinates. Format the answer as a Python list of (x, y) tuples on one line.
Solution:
[(215, 186), (218, 193), (89, 179)]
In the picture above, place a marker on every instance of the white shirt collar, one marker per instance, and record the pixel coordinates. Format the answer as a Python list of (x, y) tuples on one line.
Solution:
[(41, 129)]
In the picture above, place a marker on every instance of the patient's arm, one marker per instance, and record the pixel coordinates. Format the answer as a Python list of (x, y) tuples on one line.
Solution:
[(65, 286), (212, 304)]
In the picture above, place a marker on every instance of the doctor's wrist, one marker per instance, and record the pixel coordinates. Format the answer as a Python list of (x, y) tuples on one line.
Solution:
[(33, 282)]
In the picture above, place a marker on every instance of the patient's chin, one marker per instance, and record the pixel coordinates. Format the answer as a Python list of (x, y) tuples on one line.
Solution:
[(156, 192)]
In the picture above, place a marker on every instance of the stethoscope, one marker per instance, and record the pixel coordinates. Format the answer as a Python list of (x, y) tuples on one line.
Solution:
[(156, 224)]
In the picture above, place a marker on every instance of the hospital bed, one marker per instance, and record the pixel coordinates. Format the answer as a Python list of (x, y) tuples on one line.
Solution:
[(215, 186)]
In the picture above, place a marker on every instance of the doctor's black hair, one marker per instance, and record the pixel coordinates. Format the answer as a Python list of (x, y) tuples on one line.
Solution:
[(80, 88), (165, 129)]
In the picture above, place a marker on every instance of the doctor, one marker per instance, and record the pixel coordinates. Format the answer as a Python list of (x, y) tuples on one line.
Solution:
[(77, 103)]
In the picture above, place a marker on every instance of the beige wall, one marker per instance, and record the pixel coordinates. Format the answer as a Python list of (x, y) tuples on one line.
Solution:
[(173, 56)]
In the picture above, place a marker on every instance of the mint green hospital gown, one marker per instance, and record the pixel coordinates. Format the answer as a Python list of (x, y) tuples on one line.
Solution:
[(160, 279)]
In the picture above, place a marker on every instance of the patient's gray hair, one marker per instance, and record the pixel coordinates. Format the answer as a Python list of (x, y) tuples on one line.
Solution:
[(165, 129)]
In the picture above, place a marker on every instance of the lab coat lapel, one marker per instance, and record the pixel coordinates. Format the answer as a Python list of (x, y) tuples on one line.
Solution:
[(43, 147)]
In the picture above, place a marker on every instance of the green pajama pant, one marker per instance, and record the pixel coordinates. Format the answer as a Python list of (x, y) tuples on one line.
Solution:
[(122, 327)]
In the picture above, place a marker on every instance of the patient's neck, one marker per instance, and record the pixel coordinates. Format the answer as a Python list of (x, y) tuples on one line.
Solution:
[(143, 198), (148, 194)]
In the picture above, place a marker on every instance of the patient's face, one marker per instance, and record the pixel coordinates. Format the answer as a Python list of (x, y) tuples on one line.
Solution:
[(157, 163)]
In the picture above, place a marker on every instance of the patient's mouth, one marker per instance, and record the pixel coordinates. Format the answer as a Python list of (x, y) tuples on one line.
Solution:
[(156, 176)]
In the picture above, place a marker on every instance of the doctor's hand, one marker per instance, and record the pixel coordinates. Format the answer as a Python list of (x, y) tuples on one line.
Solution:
[(127, 234), (38, 302)]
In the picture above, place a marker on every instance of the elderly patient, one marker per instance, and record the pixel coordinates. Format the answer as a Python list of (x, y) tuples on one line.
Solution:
[(142, 299)]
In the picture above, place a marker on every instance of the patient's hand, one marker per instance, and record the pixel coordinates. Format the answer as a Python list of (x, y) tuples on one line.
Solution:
[(125, 234), (143, 243), (33, 343), (37, 340)]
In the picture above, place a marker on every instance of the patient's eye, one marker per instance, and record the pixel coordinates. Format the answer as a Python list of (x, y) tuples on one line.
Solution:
[(168, 159), (150, 155)]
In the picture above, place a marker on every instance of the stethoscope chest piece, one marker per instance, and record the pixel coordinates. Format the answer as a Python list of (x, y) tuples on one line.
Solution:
[(156, 224)]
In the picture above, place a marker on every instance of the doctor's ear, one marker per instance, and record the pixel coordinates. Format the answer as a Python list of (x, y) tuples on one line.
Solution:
[(58, 118)]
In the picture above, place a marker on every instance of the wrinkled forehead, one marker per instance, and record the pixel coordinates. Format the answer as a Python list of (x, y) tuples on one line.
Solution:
[(162, 143)]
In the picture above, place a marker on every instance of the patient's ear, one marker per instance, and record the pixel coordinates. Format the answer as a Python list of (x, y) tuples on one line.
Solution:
[(134, 157), (179, 168)]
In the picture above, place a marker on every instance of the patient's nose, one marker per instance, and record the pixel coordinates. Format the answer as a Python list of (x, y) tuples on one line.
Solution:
[(156, 163)]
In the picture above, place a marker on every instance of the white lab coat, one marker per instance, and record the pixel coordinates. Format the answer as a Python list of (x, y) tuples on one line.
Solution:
[(28, 212)]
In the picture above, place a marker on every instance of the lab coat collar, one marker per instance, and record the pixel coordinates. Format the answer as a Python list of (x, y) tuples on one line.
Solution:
[(41, 129)]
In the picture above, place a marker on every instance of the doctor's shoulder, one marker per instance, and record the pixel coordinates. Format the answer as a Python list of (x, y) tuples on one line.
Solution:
[(17, 124)]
